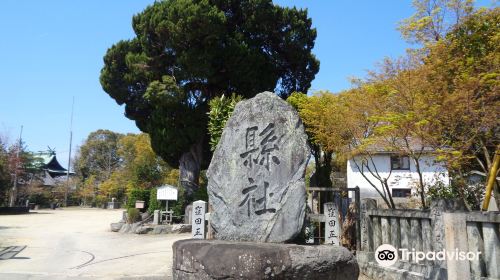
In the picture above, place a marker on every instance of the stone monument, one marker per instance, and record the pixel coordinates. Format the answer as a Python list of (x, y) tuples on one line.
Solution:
[(256, 178), (257, 199)]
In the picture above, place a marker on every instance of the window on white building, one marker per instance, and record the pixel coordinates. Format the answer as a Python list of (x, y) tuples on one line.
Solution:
[(400, 163), (401, 192)]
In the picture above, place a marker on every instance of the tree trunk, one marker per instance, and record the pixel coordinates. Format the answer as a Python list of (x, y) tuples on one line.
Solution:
[(349, 228), (324, 171), (389, 194), (189, 169), (13, 196), (382, 195), (421, 183), (317, 165)]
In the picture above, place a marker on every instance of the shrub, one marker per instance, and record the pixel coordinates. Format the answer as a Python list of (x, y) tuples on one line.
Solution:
[(179, 206), (133, 215), (440, 190), (153, 203), (99, 201), (43, 199), (221, 109)]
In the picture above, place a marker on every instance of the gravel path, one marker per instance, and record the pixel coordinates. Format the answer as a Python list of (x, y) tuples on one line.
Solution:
[(76, 243)]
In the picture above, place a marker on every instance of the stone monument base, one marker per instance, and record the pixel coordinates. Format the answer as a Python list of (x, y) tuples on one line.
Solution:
[(215, 259)]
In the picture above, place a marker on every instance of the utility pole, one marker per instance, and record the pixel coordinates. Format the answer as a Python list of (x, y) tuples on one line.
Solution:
[(13, 195), (69, 156)]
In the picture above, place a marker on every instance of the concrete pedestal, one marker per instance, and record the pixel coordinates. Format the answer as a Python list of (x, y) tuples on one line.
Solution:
[(215, 259)]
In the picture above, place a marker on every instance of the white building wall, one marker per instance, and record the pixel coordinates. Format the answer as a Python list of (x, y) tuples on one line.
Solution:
[(431, 172)]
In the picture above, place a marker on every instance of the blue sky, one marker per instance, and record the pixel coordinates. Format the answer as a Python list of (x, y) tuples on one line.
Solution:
[(51, 51)]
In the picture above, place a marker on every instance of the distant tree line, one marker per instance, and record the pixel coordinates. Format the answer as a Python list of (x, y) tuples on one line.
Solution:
[(112, 165)]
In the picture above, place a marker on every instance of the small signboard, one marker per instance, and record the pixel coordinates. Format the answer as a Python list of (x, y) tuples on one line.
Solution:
[(139, 204), (166, 192)]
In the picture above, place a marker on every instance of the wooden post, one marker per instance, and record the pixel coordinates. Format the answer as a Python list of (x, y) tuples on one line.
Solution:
[(319, 212)]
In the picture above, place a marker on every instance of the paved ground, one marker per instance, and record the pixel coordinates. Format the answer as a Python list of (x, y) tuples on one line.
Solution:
[(76, 243)]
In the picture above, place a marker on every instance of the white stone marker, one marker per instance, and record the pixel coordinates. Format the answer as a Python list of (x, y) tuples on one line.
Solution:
[(198, 221), (332, 224), (156, 217)]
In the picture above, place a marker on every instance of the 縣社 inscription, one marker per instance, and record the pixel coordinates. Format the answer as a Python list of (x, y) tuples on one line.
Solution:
[(256, 178), (255, 155)]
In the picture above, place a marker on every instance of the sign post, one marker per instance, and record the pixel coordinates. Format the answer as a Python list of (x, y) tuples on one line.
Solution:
[(166, 192)]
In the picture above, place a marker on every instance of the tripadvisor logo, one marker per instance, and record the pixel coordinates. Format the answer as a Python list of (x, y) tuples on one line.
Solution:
[(386, 255)]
